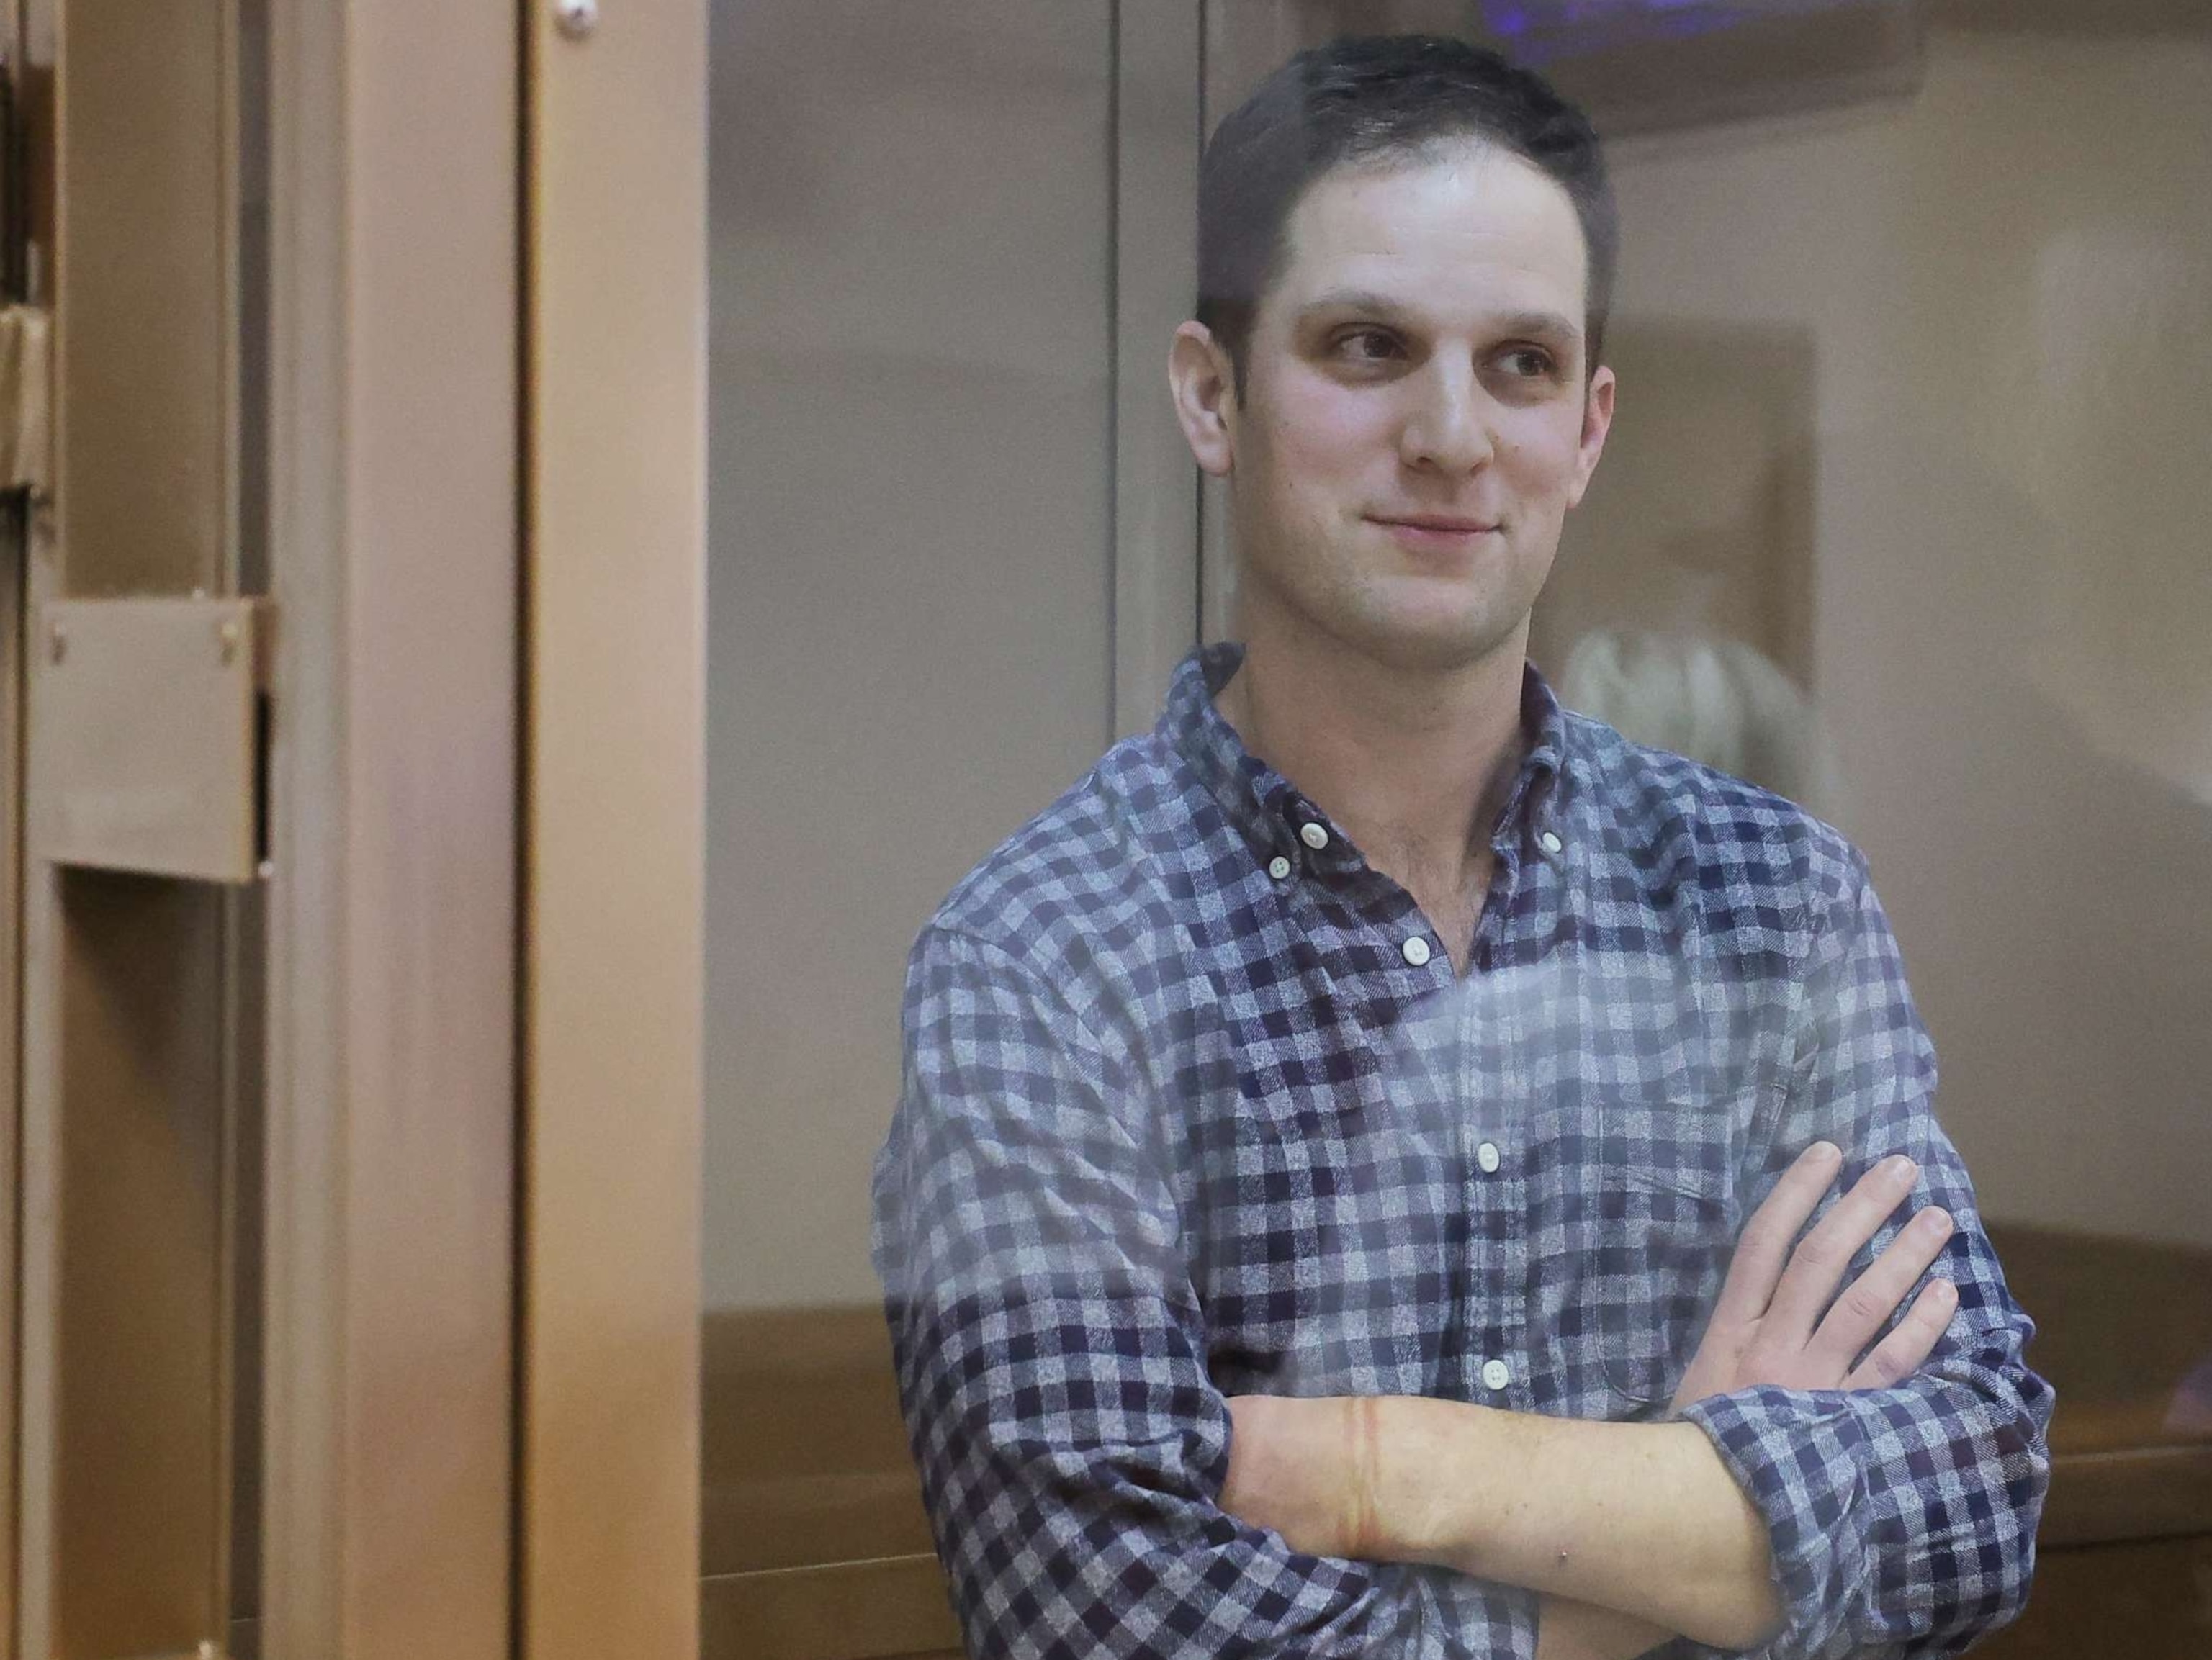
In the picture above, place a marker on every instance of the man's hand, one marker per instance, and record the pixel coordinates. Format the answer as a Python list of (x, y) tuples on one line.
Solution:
[(1774, 1322)]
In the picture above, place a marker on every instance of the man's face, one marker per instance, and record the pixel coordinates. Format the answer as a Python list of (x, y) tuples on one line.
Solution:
[(1417, 419)]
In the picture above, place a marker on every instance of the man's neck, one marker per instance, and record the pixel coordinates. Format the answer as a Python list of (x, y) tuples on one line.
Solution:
[(1414, 765)]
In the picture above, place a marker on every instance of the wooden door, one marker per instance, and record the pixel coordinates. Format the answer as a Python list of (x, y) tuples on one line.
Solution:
[(266, 872)]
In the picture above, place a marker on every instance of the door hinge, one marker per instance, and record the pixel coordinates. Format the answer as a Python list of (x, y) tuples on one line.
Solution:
[(27, 391)]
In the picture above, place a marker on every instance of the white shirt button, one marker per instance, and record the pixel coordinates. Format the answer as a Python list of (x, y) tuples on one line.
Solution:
[(1551, 842), (1417, 952), (1486, 1156), (1313, 836), (1495, 1375), (1278, 867)]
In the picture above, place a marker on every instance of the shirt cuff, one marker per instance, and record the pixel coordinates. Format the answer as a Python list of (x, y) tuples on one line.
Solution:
[(1800, 1456)]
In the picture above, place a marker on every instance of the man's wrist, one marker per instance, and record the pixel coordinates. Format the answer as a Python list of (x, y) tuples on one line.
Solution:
[(1424, 1468), (1644, 1518)]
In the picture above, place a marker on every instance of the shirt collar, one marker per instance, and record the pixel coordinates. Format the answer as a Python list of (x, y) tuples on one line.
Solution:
[(1272, 813)]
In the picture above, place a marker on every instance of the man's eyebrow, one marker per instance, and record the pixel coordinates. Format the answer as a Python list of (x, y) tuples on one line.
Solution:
[(1352, 300), (1539, 324)]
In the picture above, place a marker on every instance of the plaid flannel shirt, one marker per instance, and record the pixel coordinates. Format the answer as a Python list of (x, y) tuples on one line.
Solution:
[(1195, 1105)]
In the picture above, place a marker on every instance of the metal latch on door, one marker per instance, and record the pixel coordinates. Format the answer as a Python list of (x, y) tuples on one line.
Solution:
[(148, 715), (148, 722)]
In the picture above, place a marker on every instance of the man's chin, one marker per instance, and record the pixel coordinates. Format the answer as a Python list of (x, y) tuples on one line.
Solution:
[(1436, 646)]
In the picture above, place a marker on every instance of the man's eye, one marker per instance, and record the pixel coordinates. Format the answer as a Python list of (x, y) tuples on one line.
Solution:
[(1529, 361), (1367, 345)]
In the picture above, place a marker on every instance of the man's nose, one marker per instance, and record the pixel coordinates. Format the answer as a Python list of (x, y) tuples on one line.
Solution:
[(1448, 427)]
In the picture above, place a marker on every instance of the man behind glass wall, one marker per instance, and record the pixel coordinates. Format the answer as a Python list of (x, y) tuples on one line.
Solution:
[(1385, 1165)]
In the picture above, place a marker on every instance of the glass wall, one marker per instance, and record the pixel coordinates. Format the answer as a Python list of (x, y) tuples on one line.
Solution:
[(1908, 391), (1902, 515), (910, 592)]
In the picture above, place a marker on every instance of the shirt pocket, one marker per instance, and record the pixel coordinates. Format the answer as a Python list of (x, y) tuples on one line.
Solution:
[(1664, 1231)]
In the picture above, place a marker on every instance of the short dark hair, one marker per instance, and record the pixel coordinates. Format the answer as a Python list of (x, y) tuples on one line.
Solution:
[(1374, 98)]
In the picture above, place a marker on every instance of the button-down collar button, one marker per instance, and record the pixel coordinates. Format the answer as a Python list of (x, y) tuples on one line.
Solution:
[(1495, 1374), (1313, 836), (1278, 867), (1551, 842), (1486, 1156), (1417, 952)]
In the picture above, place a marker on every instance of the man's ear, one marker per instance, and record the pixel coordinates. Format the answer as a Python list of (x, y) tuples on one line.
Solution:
[(1597, 422), (1204, 387)]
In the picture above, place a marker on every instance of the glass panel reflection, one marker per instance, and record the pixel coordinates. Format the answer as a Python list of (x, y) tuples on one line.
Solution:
[(1900, 517), (908, 590)]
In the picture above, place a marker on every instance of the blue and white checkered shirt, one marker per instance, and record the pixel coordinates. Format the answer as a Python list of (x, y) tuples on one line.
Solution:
[(1186, 1114)]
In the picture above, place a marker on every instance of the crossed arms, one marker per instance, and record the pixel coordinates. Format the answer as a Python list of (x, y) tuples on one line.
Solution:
[(1641, 1522), (1094, 1493)]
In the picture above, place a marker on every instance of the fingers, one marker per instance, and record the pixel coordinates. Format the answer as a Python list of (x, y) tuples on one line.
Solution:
[(1816, 1267), (1766, 1238), (1903, 1353), (1865, 1307)]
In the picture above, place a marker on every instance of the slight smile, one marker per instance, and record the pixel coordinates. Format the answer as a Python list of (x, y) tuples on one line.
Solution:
[(1433, 532)]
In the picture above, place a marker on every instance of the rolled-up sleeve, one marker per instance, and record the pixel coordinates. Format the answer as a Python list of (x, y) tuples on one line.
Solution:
[(1902, 1519), (1051, 1360)]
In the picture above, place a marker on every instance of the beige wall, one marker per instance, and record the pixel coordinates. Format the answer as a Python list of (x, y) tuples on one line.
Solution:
[(2008, 285), (911, 579)]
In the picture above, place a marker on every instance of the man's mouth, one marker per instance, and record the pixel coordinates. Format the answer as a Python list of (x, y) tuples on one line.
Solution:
[(1433, 531), (1435, 521)]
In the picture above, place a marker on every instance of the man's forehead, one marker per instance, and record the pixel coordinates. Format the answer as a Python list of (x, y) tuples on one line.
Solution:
[(1468, 222)]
